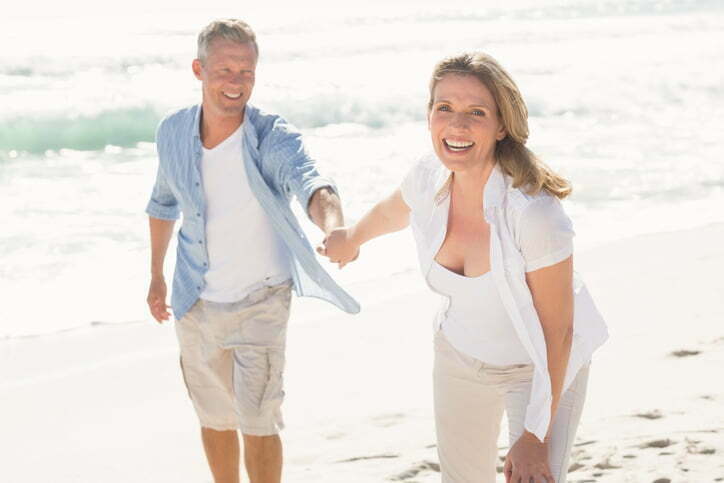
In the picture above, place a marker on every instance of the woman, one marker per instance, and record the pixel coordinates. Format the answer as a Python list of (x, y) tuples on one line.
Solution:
[(493, 239)]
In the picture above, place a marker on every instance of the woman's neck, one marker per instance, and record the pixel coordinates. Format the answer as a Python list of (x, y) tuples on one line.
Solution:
[(469, 184)]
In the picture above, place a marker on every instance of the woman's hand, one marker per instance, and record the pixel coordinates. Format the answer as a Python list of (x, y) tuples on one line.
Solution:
[(339, 247), (527, 461)]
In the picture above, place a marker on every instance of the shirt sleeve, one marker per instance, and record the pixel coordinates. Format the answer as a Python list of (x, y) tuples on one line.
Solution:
[(546, 234), (412, 185), (163, 204), (298, 174)]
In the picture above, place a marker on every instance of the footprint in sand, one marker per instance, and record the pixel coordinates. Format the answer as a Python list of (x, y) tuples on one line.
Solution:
[(658, 443), (655, 414), (387, 420), (338, 435), (415, 470), (685, 353), (606, 465), (692, 447), (370, 457)]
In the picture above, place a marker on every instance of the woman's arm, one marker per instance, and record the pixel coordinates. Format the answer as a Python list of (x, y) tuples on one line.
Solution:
[(389, 215), (552, 290)]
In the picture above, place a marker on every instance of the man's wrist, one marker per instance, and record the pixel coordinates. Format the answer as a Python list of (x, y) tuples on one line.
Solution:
[(332, 223)]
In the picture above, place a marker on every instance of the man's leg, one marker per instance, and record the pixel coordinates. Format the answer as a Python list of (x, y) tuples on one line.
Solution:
[(263, 458), (258, 380), (222, 453), (207, 371)]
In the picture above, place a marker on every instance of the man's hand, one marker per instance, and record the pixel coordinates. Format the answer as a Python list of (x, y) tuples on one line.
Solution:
[(527, 461), (339, 247), (157, 300)]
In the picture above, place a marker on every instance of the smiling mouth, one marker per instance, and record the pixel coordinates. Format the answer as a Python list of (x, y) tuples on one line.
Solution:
[(231, 96), (458, 146)]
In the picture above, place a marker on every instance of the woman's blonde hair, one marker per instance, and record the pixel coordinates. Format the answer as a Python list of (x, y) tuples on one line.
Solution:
[(511, 154)]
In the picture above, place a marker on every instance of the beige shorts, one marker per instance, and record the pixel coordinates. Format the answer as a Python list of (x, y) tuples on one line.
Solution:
[(232, 358)]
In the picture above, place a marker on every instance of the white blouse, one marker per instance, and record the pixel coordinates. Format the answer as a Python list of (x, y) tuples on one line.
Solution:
[(527, 232)]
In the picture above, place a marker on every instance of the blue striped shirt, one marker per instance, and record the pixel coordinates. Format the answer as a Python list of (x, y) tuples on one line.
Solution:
[(278, 168)]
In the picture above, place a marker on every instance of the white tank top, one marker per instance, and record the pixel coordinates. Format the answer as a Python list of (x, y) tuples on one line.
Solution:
[(245, 252), (476, 322)]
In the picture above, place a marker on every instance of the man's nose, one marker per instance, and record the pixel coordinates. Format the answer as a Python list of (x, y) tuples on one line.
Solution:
[(237, 78)]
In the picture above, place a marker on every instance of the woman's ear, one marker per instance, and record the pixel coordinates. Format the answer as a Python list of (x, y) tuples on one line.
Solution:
[(500, 135)]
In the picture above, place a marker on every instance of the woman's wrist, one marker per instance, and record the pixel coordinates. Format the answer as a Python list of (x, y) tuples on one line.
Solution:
[(353, 236)]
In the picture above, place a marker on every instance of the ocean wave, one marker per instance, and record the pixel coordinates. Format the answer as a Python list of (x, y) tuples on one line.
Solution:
[(124, 127)]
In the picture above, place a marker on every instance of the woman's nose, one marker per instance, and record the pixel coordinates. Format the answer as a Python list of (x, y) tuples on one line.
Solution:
[(459, 120)]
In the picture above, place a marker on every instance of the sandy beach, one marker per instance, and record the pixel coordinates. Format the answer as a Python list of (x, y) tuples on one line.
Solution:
[(107, 403)]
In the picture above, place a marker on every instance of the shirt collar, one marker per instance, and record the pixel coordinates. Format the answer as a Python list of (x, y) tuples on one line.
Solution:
[(248, 128), (494, 190), (197, 121)]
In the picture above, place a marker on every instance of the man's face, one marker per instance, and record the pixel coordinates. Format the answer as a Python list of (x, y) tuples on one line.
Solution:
[(227, 76)]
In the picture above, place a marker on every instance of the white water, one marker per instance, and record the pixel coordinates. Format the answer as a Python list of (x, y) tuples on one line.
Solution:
[(625, 99)]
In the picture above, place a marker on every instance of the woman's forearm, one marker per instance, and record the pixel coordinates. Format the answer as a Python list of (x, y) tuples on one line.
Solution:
[(552, 291), (558, 349), (342, 245), (382, 219)]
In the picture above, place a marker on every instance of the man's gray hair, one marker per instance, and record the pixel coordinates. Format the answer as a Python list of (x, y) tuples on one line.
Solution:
[(229, 29)]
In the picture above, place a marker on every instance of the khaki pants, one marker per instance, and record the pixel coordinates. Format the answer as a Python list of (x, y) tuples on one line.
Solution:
[(470, 397)]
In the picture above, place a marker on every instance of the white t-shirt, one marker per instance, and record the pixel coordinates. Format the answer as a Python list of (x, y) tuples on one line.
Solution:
[(475, 320), (244, 250)]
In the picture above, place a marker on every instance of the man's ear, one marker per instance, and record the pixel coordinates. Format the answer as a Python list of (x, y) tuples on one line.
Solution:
[(196, 67)]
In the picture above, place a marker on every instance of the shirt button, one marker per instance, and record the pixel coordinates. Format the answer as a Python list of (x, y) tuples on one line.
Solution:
[(197, 183), (198, 214), (201, 242), (198, 288), (205, 264)]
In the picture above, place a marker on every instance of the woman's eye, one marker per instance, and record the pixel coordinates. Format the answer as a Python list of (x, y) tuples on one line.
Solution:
[(443, 108), (478, 112)]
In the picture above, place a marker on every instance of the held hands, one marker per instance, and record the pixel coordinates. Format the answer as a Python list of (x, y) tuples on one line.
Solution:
[(339, 247), (157, 300), (527, 461)]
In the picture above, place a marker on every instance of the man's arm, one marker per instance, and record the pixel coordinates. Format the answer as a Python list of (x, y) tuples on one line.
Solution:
[(325, 210), (161, 231)]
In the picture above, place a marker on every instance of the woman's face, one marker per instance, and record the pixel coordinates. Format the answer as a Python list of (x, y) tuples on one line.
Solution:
[(464, 122)]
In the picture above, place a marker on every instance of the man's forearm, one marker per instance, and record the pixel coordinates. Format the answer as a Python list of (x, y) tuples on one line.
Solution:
[(161, 231), (325, 210)]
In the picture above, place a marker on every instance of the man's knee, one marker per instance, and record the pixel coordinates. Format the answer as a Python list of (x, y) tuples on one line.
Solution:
[(255, 442)]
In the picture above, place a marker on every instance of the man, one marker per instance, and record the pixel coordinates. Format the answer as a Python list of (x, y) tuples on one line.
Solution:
[(232, 171)]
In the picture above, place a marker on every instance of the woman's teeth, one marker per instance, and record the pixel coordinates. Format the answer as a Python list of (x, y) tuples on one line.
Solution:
[(457, 145), (232, 96)]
